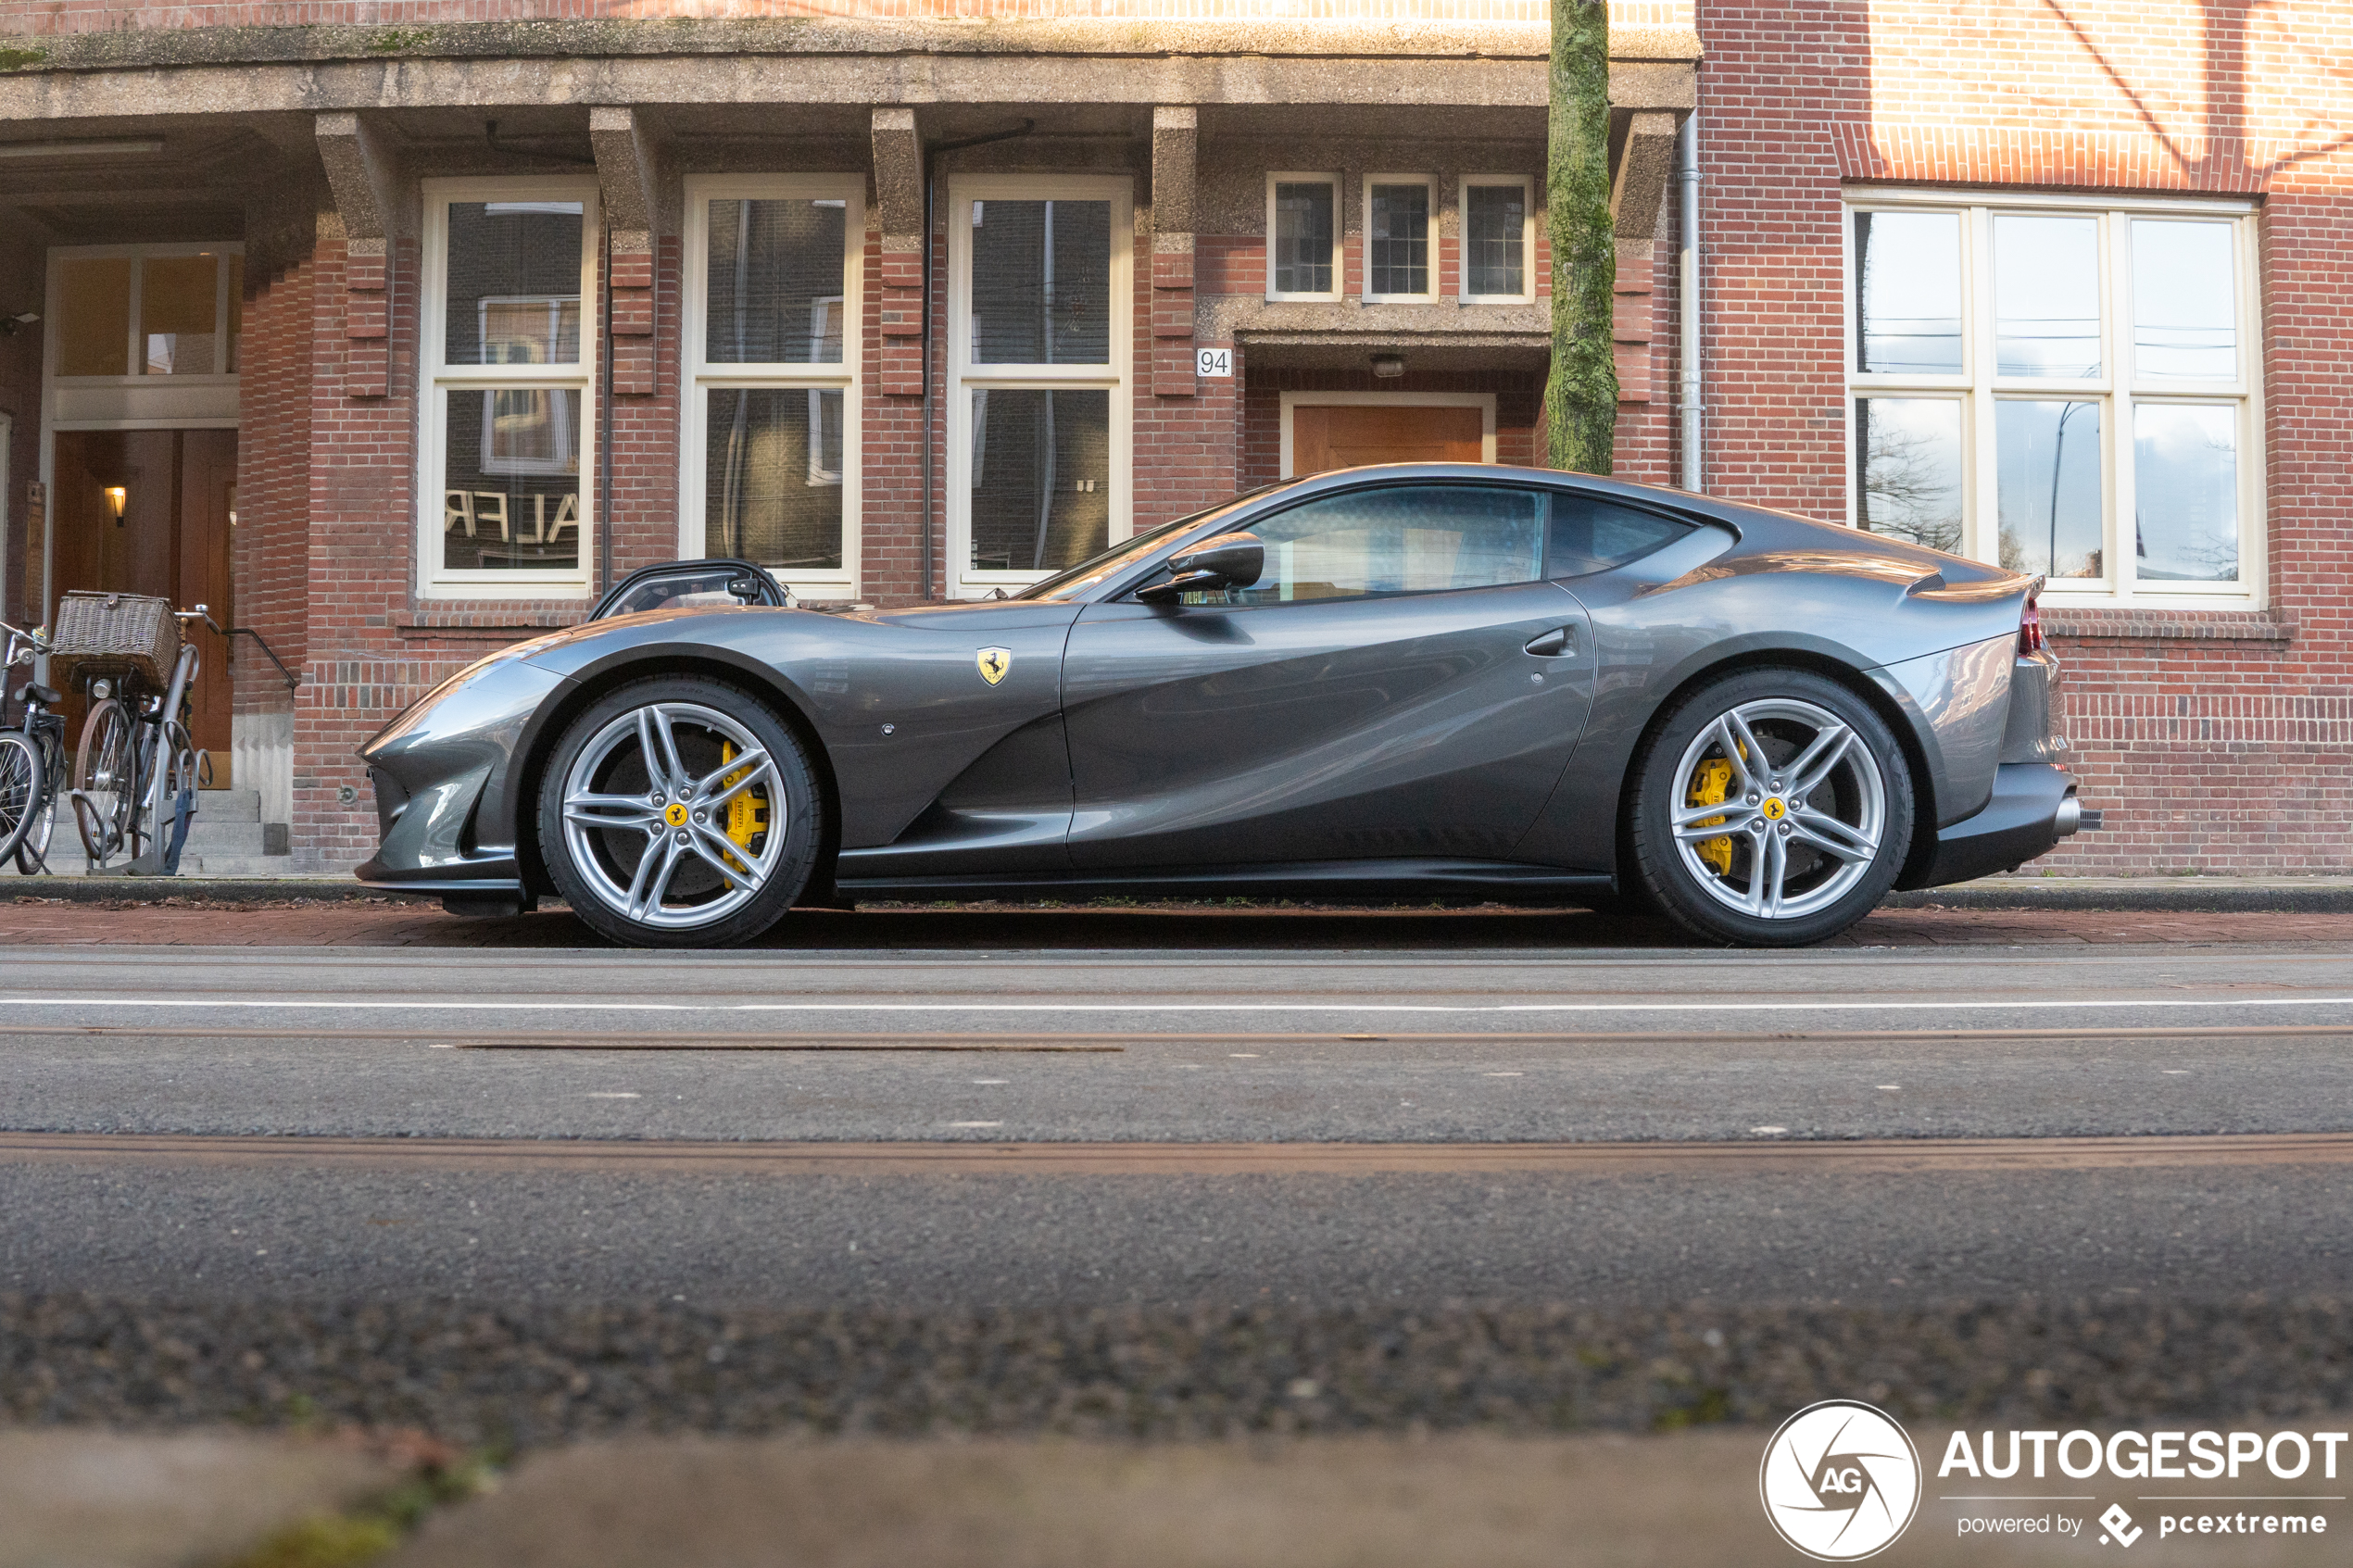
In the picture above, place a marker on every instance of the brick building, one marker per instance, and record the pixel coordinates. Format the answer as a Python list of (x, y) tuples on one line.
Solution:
[(400, 326)]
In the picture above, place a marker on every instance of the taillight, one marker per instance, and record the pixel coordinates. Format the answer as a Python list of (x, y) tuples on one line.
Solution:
[(2029, 628)]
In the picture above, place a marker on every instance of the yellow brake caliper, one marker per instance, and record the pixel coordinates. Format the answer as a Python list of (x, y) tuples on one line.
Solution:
[(1710, 783), (748, 816)]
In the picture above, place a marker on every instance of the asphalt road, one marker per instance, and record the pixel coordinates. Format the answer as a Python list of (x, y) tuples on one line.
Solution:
[(1441, 1055)]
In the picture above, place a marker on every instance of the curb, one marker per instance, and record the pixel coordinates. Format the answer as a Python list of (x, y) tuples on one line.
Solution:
[(221, 890), (2153, 895)]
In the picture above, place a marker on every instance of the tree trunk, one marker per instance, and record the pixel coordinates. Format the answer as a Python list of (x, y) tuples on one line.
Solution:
[(1580, 398)]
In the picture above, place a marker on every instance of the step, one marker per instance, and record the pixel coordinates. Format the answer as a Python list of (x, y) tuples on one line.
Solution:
[(207, 837), (228, 805)]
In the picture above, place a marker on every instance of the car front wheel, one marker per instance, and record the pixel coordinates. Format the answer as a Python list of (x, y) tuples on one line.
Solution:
[(679, 812), (1773, 809)]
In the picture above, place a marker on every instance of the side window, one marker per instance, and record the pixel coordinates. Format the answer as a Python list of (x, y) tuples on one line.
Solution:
[(1590, 535), (1405, 539)]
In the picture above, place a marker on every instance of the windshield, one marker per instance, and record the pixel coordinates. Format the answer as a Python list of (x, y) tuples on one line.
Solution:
[(1089, 572)]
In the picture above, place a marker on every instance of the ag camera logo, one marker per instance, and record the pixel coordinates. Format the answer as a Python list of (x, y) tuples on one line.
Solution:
[(1841, 1481)]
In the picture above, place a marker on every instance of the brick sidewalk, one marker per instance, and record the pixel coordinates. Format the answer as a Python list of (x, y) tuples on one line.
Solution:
[(388, 923)]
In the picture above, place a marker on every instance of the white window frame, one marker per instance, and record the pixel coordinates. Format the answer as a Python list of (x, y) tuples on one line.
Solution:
[(846, 376), (1527, 188), (1483, 401), (440, 378), (1437, 249), (1339, 238), (136, 401), (964, 378), (2118, 390)]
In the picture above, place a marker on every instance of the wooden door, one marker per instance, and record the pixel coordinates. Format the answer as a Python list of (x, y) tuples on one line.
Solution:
[(171, 540), (1327, 436)]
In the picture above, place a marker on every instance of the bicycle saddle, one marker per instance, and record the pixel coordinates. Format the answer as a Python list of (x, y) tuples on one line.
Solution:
[(42, 695)]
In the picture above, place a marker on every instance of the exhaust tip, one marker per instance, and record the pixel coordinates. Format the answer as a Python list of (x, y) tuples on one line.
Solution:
[(2069, 820)]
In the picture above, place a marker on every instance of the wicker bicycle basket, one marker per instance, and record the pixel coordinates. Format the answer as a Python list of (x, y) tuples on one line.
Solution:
[(114, 635)]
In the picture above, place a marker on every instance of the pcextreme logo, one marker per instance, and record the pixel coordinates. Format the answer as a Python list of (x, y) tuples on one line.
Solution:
[(1841, 1480)]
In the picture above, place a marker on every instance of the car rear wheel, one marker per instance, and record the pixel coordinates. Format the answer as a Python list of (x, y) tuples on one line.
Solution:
[(1772, 809), (679, 812)]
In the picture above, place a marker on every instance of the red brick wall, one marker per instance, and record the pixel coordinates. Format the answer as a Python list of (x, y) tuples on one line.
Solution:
[(2205, 751), (20, 289), (270, 567)]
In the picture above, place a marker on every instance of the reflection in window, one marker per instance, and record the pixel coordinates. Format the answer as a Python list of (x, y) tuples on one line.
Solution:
[(1397, 243), (1040, 476), (1042, 283), (94, 315), (513, 282), (1907, 469), (2046, 296), (1589, 535), (2047, 458), (1907, 293), (1495, 234), (773, 283), (1408, 539), (179, 315), (2185, 479), (771, 476), (511, 488), (1304, 237), (2183, 325)]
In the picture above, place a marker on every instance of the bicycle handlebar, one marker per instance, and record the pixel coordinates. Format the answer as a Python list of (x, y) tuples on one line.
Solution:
[(202, 613)]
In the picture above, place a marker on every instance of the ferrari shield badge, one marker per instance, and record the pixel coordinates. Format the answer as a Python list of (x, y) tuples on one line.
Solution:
[(994, 662)]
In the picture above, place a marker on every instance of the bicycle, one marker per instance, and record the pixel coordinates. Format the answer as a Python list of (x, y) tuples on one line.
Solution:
[(135, 756), (32, 758)]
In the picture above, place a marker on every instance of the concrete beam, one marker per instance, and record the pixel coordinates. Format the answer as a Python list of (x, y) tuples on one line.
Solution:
[(1645, 165), (1174, 132), (899, 176), (628, 173), (364, 172)]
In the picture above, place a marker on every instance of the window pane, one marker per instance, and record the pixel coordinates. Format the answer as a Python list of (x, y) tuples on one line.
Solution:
[(1907, 463), (1495, 224), (1397, 251), (1907, 293), (178, 313), (1042, 283), (2048, 459), (774, 282), (94, 315), (2046, 296), (1588, 535), (514, 282), (771, 477), (2185, 473), (1040, 478), (1411, 538), (511, 494), (1304, 237), (2185, 324)]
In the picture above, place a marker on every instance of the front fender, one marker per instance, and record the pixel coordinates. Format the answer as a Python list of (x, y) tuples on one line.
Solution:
[(445, 774)]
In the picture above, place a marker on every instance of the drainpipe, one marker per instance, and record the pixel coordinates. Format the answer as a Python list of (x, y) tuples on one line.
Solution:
[(931, 158), (604, 426), (1694, 474)]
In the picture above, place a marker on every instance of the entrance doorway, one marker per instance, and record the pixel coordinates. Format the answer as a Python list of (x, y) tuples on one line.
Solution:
[(1323, 431), (150, 511)]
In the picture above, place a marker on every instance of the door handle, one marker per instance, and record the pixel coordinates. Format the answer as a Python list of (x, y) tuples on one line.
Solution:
[(1558, 643)]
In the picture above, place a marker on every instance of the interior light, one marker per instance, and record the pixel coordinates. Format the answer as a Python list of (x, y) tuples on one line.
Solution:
[(1388, 366), (117, 497)]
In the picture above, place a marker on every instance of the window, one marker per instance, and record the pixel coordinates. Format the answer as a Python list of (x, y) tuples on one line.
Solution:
[(1499, 231), (2062, 386), (1039, 399), (509, 424), (1397, 237), (1405, 539), (769, 468), (1588, 534), (149, 310), (1302, 236)]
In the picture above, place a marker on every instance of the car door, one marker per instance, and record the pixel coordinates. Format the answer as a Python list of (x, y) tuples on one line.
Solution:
[(1373, 695)]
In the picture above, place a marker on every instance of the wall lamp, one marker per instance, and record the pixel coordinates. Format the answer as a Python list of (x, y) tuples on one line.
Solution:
[(11, 325), (117, 497), (1387, 366)]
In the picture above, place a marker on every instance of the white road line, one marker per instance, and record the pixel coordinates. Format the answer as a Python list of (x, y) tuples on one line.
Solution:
[(1490, 1009)]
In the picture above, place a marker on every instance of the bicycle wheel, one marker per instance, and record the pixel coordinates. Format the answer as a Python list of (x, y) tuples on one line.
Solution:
[(106, 782), (22, 789), (32, 849)]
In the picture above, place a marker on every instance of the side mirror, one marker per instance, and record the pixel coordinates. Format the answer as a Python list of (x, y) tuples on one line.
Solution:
[(1230, 561)]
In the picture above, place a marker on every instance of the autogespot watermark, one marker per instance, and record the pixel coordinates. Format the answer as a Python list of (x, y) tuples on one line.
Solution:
[(1841, 1480)]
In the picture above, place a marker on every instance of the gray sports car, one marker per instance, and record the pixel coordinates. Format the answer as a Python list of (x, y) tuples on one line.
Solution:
[(1416, 682)]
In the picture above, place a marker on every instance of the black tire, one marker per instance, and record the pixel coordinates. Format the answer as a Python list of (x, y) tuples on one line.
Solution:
[(105, 782), (24, 789), (1786, 871), (32, 849), (726, 874)]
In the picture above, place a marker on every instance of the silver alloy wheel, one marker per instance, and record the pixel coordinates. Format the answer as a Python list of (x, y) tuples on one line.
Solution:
[(1801, 819), (658, 771)]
